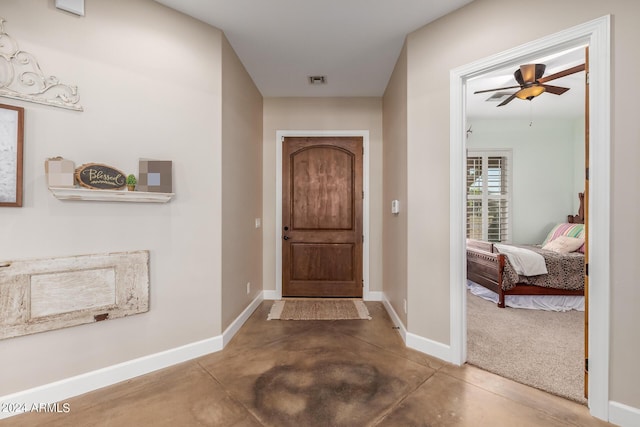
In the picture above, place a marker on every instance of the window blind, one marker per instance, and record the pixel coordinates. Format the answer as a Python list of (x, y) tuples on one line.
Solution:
[(488, 196)]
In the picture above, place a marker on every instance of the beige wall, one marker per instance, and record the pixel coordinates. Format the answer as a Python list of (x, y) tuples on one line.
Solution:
[(322, 114), (149, 81), (481, 29), (151, 84), (394, 161), (242, 186)]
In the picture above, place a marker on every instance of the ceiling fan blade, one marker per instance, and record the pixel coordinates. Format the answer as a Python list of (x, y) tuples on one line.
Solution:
[(562, 73), (556, 90), (495, 90), (508, 100)]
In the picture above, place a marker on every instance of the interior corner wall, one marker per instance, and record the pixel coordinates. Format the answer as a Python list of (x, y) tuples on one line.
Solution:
[(149, 80), (242, 187), (479, 30), (322, 114), (394, 170)]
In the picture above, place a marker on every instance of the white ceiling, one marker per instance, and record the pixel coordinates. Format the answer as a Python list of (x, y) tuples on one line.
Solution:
[(355, 44)]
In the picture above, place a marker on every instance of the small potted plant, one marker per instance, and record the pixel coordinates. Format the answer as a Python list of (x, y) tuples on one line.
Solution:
[(131, 182)]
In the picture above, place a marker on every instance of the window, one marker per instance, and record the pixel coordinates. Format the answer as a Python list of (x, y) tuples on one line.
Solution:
[(489, 195)]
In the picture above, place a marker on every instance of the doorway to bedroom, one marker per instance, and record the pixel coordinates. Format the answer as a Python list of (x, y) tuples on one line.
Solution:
[(525, 168)]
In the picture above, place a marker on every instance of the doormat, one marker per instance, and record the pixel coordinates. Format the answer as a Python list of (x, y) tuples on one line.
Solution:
[(318, 309)]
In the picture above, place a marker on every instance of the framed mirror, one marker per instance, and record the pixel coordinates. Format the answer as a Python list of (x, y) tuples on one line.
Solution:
[(11, 148)]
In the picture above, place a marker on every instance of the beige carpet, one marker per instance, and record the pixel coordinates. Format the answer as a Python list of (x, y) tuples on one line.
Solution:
[(542, 349), (318, 309)]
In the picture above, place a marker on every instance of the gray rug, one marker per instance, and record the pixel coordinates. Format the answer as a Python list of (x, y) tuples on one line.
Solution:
[(542, 349)]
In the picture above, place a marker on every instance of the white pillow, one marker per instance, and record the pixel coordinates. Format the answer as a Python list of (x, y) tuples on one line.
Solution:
[(564, 244)]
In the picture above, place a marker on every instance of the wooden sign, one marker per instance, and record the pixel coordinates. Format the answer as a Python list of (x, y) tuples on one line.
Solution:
[(101, 177)]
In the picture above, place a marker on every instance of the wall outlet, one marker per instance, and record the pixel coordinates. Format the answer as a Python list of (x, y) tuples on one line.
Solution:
[(405, 306), (248, 288)]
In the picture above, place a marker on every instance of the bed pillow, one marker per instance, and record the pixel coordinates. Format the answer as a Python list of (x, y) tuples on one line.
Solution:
[(564, 244), (566, 229)]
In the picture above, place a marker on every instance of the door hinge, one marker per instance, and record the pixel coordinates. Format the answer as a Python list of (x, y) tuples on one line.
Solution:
[(586, 365), (586, 78), (363, 238), (363, 195), (586, 174), (586, 269)]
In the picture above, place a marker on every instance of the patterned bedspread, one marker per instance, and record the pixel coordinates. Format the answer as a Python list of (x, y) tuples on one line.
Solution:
[(566, 271)]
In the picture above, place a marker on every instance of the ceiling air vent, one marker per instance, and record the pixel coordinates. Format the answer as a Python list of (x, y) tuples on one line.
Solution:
[(317, 80), (498, 97)]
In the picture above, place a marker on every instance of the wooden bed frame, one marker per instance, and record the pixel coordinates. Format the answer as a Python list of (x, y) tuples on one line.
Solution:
[(485, 267)]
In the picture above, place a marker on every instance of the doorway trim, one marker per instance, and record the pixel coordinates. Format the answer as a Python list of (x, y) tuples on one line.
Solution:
[(367, 294), (596, 34)]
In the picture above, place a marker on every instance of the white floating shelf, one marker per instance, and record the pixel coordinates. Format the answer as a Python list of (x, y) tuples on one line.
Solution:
[(87, 194)]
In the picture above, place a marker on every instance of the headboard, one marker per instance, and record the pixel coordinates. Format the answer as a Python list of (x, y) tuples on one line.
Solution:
[(578, 219)]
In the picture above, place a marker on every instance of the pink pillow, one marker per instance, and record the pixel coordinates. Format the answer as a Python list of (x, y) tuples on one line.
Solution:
[(566, 229)]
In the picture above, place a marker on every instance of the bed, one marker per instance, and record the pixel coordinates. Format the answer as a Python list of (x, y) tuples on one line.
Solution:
[(489, 265)]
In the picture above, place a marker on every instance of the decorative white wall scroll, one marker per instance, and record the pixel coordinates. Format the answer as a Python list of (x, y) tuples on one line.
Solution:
[(21, 78)]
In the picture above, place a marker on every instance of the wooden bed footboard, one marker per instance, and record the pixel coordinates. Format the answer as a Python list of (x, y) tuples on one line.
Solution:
[(485, 267)]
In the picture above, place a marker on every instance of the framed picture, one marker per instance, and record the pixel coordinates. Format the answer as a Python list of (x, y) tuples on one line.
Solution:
[(11, 141)]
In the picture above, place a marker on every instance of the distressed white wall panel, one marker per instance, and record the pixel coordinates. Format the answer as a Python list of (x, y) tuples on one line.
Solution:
[(45, 294), (57, 293)]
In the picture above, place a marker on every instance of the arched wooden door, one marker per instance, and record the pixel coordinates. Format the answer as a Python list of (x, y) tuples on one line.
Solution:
[(322, 217)]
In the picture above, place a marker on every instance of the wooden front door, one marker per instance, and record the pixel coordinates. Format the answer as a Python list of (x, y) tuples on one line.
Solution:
[(322, 217)]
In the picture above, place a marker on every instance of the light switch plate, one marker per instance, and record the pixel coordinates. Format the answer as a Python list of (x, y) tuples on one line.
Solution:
[(395, 207)]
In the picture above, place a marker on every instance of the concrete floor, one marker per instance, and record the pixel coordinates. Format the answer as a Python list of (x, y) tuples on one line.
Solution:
[(316, 373)]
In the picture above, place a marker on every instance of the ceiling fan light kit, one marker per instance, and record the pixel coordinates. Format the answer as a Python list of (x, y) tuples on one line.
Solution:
[(530, 92)]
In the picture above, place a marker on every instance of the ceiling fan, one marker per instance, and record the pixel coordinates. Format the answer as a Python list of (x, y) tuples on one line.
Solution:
[(531, 83)]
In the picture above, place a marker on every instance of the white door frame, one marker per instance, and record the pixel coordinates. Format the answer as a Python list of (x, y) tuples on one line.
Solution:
[(367, 295), (596, 34)]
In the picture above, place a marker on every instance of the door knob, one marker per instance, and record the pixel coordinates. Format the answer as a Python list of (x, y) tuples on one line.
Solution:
[(286, 237)]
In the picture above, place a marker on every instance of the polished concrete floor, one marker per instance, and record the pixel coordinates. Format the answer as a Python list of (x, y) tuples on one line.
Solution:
[(316, 373)]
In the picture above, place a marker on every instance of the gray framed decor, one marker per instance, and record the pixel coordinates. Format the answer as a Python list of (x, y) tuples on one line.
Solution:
[(11, 149)]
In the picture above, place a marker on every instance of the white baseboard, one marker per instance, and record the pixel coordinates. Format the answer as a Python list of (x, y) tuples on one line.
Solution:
[(64, 389), (430, 347), (416, 342), (395, 318), (623, 415), (70, 387), (270, 295), (373, 296), (235, 326)]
